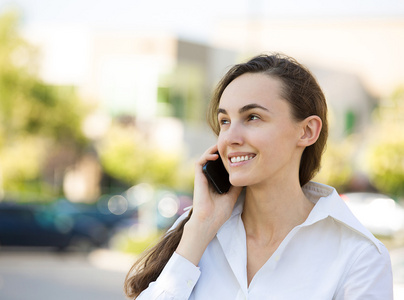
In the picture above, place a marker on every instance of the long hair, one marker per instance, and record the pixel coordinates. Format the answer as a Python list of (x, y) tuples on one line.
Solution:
[(305, 97), (150, 264)]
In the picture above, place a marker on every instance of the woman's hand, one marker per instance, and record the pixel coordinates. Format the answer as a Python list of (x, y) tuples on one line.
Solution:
[(210, 207), (210, 211)]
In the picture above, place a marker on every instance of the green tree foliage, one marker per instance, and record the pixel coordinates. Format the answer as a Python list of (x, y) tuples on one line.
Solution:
[(336, 167), (126, 154), (29, 106), (385, 155), (34, 117)]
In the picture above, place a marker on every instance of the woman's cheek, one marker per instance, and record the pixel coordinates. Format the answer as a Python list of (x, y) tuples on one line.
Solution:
[(221, 144)]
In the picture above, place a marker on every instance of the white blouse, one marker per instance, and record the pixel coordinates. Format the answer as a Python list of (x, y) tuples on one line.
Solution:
[(330, 256)]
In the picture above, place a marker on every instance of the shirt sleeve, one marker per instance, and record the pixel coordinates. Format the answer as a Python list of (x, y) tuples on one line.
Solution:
[(175, 282), (369, 278)]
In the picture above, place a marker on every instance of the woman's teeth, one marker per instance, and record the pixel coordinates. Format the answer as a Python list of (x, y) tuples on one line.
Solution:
[(235, 159)]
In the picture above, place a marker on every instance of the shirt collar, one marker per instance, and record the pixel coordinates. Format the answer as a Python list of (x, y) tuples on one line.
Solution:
[(327, 204)]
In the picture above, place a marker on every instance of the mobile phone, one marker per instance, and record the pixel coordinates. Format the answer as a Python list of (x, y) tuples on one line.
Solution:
[(217, 175)]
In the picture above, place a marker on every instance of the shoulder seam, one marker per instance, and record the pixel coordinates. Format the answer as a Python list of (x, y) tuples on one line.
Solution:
[(374, 241)]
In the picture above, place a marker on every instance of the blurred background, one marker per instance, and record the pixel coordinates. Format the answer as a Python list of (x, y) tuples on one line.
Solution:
[(102, 115)]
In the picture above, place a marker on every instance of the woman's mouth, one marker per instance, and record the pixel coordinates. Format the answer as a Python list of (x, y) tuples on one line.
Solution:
[(240, 158)]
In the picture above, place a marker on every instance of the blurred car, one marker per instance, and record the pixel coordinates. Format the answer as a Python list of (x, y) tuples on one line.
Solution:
[(379, 213), (62, 226), (26, 225)]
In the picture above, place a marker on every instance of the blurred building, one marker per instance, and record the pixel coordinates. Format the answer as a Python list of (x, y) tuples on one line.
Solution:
[(369, 47), (155, 75), (350, 103)]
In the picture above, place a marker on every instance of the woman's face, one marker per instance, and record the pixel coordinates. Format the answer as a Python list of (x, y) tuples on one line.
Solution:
[(258, 138)]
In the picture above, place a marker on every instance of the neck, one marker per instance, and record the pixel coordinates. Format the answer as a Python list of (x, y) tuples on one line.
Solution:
[(271, 211)]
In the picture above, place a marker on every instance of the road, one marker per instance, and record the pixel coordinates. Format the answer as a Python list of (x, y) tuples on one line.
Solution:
[(99, 275), (42, 275)]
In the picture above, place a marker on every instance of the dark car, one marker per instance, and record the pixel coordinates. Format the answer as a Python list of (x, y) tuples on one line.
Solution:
[(62, 225)]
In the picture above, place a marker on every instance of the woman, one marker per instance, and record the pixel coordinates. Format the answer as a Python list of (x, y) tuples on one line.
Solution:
[(274, 235)]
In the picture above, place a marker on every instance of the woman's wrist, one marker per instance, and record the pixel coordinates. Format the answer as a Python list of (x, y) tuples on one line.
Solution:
[(195, 239)]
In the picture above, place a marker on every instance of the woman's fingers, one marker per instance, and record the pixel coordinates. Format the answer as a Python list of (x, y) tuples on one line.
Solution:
[(208, 204), (209, 154)]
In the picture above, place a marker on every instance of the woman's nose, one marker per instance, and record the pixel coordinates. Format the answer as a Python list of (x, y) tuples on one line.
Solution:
[(233, 135)]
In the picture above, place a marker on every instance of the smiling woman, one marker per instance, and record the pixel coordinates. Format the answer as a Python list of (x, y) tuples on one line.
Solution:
[(243, 124), (274, 234), (297, 87)]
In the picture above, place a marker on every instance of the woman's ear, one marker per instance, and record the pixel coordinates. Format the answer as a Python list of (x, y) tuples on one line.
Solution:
[(311, 128)]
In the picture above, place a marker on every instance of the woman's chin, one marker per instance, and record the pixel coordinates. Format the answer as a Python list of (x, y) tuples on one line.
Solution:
[(239, 182)]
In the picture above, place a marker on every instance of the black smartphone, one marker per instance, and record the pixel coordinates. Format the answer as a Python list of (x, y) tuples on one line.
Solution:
[(217, 175)]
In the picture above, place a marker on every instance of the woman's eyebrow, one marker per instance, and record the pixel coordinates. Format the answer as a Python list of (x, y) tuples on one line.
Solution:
[(221, 111), (243, 109), (251, 106)]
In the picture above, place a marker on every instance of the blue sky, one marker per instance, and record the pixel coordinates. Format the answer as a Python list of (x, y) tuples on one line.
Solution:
[(193, 19)]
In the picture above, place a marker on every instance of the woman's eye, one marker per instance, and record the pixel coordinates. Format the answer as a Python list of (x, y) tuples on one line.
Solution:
[(253, 117), (223, 122)]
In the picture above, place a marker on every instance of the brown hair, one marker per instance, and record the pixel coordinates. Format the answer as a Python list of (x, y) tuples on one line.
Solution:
[(149, 266), (301, 90)]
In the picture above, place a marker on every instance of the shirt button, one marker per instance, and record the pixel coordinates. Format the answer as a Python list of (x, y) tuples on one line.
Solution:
[(277, 258), (190, 283)]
